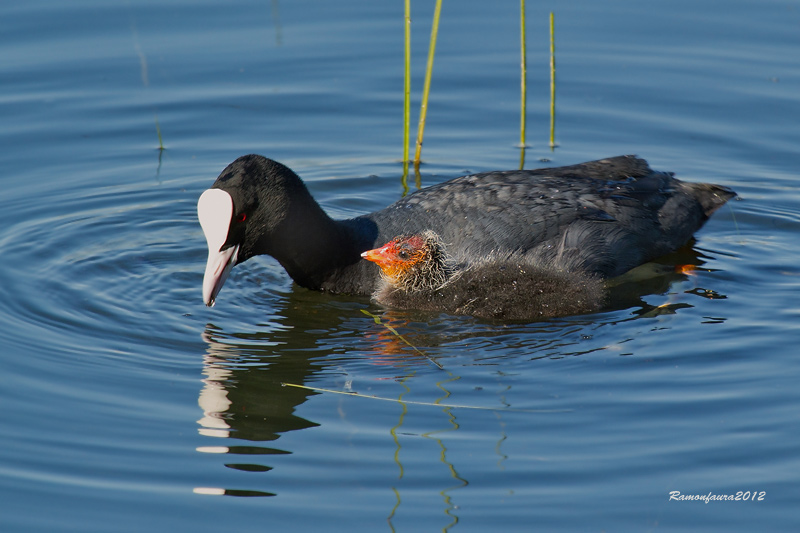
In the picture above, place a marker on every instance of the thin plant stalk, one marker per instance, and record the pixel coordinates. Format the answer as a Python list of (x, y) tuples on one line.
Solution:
[(407, 86), (524, 71), (423, 110), (524, 85), (552, 81), (158, 132), (355, 394), (377, 320)]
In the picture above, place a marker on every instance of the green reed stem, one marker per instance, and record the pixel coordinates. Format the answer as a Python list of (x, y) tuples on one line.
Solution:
[(524, 75), (552, 81), (523, 86), (407, 85), (423, 110)]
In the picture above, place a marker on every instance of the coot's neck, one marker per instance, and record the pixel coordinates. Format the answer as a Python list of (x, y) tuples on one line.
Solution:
[(310, 245)]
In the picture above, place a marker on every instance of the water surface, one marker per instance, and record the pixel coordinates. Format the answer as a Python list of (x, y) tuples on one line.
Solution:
[(129, 406)]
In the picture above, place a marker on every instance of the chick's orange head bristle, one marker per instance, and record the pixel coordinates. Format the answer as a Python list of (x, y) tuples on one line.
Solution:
[(398, 255)]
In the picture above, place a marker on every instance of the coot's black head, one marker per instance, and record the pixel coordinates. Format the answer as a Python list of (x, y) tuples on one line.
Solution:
[(242, 213)]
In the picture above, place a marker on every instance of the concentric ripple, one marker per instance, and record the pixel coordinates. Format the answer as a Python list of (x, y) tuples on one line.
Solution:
[(106, 263)]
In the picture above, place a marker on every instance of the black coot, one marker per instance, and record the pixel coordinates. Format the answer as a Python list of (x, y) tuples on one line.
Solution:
[(601, 218)]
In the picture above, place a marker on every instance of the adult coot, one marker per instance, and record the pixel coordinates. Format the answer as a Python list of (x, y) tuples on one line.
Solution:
[(418, 273), (602, 217)]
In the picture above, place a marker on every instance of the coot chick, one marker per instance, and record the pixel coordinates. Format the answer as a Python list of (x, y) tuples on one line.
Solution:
[(602, 217), (419, 274)]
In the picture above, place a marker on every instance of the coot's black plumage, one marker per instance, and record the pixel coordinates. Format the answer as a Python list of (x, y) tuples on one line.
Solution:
[(602, 217), (419, 273)]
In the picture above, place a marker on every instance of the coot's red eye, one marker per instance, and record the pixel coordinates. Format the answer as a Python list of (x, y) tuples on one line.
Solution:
[(241, 217)]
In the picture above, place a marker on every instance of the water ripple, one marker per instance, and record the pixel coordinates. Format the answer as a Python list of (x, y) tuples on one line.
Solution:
[(108, 264)]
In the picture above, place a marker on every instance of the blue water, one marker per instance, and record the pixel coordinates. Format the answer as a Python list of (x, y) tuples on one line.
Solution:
[(129, 406)]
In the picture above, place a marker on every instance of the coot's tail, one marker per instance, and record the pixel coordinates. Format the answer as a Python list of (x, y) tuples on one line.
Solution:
[(710, 196)]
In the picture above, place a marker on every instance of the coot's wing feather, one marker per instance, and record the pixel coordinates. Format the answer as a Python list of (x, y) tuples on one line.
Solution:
[(604, 216)]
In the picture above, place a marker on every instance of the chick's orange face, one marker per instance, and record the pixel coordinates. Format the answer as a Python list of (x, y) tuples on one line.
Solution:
[(398, 256)]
